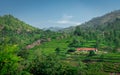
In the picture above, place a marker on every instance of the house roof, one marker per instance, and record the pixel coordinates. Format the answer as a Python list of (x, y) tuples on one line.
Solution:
[(86, 49)]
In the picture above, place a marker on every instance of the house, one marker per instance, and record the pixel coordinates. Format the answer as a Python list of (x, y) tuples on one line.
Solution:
[(86, 49)]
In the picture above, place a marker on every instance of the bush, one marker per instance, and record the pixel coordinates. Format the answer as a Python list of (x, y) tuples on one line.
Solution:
[(50, 65), (9, 61), (91, 53), (57, 50), (71, 50)]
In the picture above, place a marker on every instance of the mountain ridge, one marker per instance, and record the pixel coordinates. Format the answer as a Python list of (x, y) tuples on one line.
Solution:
[(15, 31), (56, 29), (97, 21)]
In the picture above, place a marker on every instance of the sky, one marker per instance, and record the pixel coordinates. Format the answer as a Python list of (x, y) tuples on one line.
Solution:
[(57, 13)]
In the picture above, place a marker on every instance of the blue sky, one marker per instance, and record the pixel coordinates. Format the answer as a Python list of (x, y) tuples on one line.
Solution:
[(57, 13)]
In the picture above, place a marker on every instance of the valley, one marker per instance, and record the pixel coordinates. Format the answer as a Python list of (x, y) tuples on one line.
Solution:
[(26, 50)]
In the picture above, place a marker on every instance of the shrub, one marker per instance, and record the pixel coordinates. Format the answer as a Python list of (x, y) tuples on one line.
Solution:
[(91, 53), (71, 50)]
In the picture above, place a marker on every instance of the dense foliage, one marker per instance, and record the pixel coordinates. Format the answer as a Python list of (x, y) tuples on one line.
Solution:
[(105, 36)]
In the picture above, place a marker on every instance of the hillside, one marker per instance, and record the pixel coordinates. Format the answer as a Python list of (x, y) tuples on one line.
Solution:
[(15, 31), (22, 53), (101, 32), (107, 18), (97, 21), (68, 30), (105, 37)]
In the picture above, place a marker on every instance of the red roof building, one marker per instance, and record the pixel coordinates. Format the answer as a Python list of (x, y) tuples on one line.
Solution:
[(86, 49)]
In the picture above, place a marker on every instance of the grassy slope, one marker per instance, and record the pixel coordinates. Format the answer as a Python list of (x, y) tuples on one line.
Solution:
[(49, 47), (110, 62)]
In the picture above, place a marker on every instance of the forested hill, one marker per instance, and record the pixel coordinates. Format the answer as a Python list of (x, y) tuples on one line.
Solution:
[(97, 21), (107, 18), (105, 31), (107, 24), (15, 31), (9, 22)]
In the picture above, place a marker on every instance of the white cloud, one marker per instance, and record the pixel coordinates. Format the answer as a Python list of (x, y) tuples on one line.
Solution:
[(62, 22), (66, 19), (68, 22)]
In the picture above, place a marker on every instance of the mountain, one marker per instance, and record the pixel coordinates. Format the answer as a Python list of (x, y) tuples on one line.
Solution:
[(96, 22), (15, 31), (101, 32), (68, 30), (53, 29), (107, 18)]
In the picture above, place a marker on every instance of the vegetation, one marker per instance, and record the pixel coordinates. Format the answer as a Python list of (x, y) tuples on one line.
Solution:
[(25, 50)]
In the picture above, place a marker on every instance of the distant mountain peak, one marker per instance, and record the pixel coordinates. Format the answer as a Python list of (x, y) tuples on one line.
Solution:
[(53, 28)]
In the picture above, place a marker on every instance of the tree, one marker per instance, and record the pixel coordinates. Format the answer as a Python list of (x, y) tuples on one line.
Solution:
[(9, 61), (117, 44), (75, 43), (50, 65), (57, 50), (71, 50), (91, 53), (96, 45), (77, 31)]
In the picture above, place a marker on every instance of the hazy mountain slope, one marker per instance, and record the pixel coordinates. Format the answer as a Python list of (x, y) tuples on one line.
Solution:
[(53, 29), (103, 31), (107, 18), (97, 22), (68, 30)]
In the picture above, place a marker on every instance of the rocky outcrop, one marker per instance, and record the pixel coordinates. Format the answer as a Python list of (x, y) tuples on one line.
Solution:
[(36, 43), (1, 27)]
